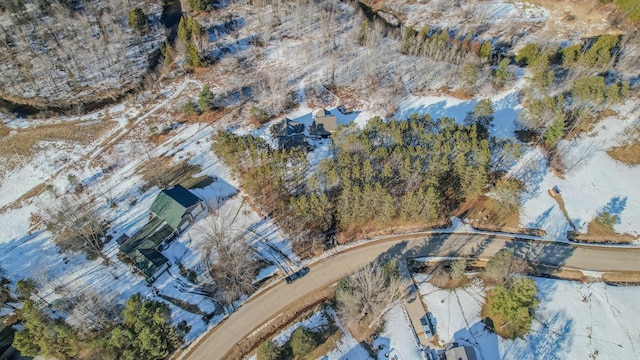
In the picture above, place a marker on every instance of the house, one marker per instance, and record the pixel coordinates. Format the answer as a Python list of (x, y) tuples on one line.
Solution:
[(460, 353), (290, 134), (324, 123), (173, 210)]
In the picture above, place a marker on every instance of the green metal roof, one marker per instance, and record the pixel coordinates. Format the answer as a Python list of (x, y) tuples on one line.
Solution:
[(171, 204), (141, 247)]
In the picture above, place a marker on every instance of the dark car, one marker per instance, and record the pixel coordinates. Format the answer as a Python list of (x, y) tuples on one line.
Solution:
[(300, 273), (304, 271), (291, 278)]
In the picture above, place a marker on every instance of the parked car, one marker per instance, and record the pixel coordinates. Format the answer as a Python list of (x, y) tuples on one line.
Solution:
[(304, 271), (300, 273), (426, 326), (291, 278)]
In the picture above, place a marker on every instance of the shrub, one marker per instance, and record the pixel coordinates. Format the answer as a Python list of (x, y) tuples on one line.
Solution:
[(268, 350), (302, 341), (188, 108)]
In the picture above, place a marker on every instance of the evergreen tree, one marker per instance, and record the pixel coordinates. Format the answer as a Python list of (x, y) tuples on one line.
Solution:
[(528, 54), (268, 350), (502, 74), (137, 19), (556, 130), (145, 332), (302, 342), (486, 50), (511, 308), (42, 335), (205, 99)]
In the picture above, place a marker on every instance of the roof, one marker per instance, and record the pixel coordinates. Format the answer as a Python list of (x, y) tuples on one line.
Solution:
[(171, 204), (141, 247), (461, 353), (321, 112)]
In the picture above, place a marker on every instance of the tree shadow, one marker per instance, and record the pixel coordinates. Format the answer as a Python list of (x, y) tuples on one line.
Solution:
[(480, 338), (616, 205), (541, 252), (547, 342)]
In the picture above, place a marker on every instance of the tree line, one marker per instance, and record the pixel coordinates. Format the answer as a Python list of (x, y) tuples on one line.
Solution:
[(142, 330)]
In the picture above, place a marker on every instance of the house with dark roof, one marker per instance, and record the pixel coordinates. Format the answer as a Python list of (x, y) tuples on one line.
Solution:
[(290, 134), (324, 123), (173, 210)]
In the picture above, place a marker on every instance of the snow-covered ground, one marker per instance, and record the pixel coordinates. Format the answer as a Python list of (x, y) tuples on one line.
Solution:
[(397, 337), (593, 183), (574, 321)]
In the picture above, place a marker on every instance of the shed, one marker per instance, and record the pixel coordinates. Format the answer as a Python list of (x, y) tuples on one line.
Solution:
[(461, 353)]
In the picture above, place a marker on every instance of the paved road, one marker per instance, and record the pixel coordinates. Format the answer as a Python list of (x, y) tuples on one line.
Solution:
[(324, 273)]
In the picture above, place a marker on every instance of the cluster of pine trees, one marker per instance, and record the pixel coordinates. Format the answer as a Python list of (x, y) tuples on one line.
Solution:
[(144, 332), (441, 45), (593, 85), (406, 173)]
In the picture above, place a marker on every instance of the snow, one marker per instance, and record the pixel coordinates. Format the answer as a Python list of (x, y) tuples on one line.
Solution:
[(506, 106), (572, 322), (592, 184), (398, 336)]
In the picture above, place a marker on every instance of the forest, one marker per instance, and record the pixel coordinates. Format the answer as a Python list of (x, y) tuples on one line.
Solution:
[(406, 174)]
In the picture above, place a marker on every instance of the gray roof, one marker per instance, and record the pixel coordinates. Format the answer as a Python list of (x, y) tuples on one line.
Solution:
[(461, 353)]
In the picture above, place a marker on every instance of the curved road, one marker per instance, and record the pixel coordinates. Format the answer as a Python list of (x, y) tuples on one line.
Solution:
[(276, 299)]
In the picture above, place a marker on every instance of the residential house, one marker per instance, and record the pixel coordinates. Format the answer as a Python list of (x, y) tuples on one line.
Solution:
[(324, 123), (172, 212), (290, 134)]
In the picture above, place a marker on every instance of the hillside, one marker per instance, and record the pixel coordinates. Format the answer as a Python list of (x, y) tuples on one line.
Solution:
[(64, 53)]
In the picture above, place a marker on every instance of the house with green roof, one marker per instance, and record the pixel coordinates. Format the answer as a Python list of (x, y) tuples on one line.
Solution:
[(173, 210)]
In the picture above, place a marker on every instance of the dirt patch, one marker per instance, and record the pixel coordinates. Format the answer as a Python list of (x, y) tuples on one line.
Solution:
[(590, 238), (629, 155), (621, 278), (485, 212), (22, 144), (568, 16), (558, 198)]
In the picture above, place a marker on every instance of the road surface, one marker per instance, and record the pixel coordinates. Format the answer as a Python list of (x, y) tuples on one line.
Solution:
[(276, 299)]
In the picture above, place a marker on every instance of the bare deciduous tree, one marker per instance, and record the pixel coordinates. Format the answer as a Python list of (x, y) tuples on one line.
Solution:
[(503, 265), (365, 296), (76, 225), (230, 262)]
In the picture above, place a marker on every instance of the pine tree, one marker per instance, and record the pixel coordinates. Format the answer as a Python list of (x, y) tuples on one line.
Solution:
[(486, 50), (268, 350), (511, 308), (502, 74), (137, 19), (205, 99), (302, 342)]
